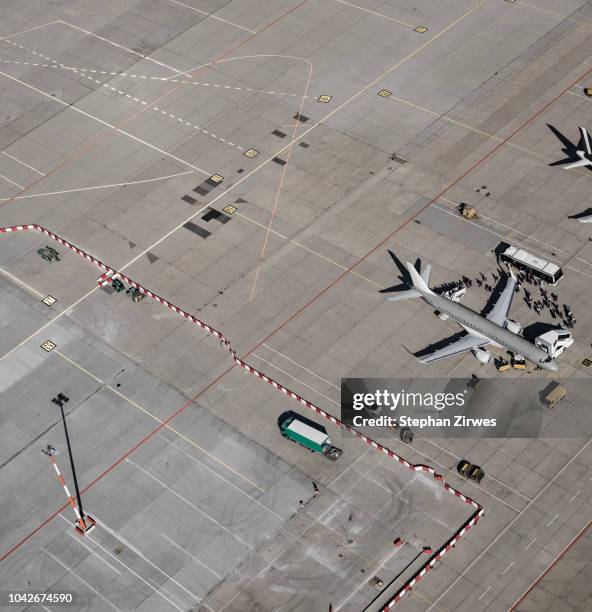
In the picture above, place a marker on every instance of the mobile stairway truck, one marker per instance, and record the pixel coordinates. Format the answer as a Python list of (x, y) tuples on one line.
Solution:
[(316, 439)]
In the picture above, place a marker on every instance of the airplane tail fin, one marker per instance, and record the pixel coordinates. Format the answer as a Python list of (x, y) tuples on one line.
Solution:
[(420, 281), (585, 140), (412, 285)]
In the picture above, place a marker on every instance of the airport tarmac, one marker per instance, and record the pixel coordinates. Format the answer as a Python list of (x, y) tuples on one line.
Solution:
[(251, 163)]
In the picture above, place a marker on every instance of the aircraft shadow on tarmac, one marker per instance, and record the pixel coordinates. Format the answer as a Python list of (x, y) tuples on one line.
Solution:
[(569, 148)]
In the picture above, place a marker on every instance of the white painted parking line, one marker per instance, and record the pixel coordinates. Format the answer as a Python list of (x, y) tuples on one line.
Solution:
[(552, 520), (20, 161), (236, 25), (507, 568), (80, 541), (301, 366), (140, 554), (105, 123), (20, 282), (190, 504), (484, 593), (218, 475), (574, 496), (375, 13), (296, 379), (11, 181), (530, 543), (92, 588), (193, 557)]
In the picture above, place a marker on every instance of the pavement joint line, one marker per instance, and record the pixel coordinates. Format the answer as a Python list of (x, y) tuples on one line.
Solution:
[(479, 512), (39, 27), (280, 184), (213, 16), (20, 282), (71, 571), (551, 566), (509, 525), (167, 426), (190, 504), (552, 520), (254, 499), (484, 593), (140, 554), (93, 187), (111, 273), (545, 10), (507, 568), (120, 92), (312, 251), (20, 161), (158, 591), (301, 366), (408, 25), (218, 475), (577, 95), (435, 206), (297, 380), (105, 123), (471, 128), (93, 71), (479, 487), (93, 552), (191, 556), (509, 227), (11, 181), (119, 46)]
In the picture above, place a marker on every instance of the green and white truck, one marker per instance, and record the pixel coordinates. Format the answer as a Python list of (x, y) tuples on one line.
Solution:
[(316, 439)]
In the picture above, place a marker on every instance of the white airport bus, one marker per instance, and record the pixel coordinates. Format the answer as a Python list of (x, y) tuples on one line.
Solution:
[(547, 271)]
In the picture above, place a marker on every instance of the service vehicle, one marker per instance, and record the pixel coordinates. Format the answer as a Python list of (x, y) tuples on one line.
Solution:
[(554, 342), (544, 270), (316, 439), (552, 394)]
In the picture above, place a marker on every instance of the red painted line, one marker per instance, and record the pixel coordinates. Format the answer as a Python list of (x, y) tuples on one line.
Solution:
[(416, 214), (475, 517), (557, 559), (91, 143), (111, 274)]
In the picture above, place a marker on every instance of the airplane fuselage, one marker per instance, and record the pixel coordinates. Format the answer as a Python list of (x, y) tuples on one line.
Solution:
[(497, 335)]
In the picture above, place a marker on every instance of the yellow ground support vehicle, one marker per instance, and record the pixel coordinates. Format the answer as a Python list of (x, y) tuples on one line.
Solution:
[(552, 394), (467, 212)]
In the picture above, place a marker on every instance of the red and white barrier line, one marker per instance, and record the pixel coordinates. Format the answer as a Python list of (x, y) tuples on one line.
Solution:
[(111, 274)]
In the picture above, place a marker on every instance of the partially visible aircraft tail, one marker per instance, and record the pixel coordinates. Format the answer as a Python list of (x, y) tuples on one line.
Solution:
[(585, 140), (420, 281), (413, 284)]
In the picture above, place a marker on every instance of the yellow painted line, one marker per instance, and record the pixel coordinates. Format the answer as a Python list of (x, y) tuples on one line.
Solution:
[(311, 251), (178, 433), (483, 133)]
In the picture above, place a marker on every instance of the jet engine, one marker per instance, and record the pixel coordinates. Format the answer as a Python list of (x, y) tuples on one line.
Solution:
[(482, 355)]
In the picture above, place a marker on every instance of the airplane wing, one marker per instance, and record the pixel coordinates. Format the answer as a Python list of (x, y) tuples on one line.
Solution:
[(499, 313), (466, 343), (578, 164), (587, 219)]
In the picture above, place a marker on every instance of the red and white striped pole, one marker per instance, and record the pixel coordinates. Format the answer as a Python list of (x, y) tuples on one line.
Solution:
[(82, 525)]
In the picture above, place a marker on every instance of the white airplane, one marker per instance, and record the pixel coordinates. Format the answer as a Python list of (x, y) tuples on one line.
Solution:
[(481, 331), (585, 155)]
